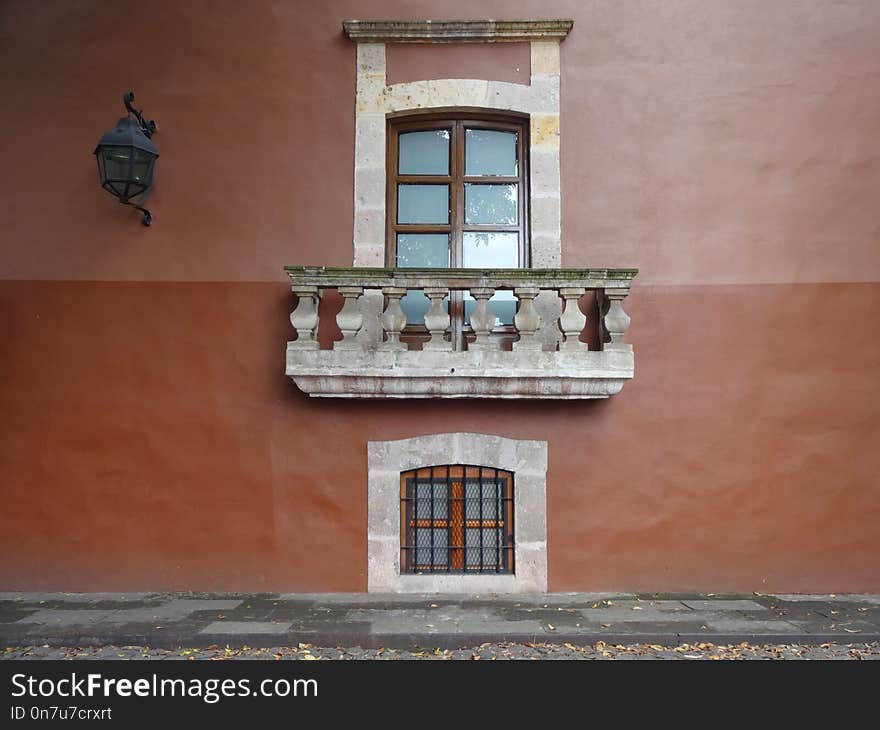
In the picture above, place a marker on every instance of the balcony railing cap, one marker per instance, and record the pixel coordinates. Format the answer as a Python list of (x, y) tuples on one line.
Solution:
[(332, 276)]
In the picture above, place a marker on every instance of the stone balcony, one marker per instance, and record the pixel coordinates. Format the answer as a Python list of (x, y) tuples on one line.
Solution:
[(541, 354)]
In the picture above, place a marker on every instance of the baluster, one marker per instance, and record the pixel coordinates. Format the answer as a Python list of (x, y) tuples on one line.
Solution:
[(548, 305), (349, 317), (370, 306), (527, 319), (572, 320), (305, 317), (393, 319), (436, 319), (482, 318), (616, 321)]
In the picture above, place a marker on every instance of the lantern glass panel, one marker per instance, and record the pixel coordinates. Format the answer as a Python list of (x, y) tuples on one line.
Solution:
[(140, 167), (116, 162), (117, 187)]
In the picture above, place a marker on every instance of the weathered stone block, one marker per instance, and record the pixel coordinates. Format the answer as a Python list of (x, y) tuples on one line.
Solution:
[(369, 188), (544, 94), (545, 57), (369, 225), (512, 97), (545, 131), (369, 140), (457, 92), (400, 97), (531, 567), (369, 253), (544, 166), (371, 59), (546, 250), (369, 94), (546, 215)]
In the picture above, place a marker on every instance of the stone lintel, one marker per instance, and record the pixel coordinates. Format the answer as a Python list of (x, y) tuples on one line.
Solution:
[(455, 31)]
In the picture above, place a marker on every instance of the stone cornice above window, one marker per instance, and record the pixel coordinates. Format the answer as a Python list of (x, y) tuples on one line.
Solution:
[(455, 31)]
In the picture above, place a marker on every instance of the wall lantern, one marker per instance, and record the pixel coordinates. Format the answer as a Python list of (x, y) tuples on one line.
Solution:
[(126, 157)]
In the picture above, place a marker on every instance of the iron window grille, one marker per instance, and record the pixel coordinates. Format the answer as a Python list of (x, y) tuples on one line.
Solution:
[(456, 519)]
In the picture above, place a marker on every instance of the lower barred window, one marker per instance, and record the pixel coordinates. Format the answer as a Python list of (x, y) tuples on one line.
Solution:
[(456, 519)]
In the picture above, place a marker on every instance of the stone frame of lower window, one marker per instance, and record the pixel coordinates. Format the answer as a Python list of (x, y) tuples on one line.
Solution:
[(528, 462)]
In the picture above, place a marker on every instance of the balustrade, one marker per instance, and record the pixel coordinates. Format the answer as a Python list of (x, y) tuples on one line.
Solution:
[(538, 364), (568, 285)]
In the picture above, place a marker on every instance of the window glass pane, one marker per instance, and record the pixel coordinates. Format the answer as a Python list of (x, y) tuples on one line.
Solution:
[(415, 306), (423, 250), (490, 204), (490, 547), (490, 153), (423, 153), (423, 204), (422, 496), (490, 250), (502, 305), (440, 500), (499, 250), (423, 546), (490, 499)]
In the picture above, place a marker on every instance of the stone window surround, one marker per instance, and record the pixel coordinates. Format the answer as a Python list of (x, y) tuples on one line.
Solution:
[(375, 99), (528, 462)]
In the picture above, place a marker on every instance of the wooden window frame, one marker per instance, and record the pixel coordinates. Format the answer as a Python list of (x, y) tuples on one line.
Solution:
[(457, 121)]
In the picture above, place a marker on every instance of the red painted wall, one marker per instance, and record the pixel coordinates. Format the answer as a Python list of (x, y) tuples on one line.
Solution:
[(151, 441)]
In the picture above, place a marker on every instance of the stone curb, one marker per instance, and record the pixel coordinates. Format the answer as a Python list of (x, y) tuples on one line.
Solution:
[(426, 641)]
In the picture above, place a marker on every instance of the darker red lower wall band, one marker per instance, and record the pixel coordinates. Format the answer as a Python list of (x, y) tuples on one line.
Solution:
[(150, 441)]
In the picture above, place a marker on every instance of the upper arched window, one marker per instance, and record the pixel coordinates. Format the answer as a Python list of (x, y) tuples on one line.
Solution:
[(457, 198), (456, 519)]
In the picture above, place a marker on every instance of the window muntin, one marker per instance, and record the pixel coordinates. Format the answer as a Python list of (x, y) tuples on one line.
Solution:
[(457, 198), (456, 519)]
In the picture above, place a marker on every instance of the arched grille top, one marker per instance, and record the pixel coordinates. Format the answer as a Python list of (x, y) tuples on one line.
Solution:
[(456, 518)]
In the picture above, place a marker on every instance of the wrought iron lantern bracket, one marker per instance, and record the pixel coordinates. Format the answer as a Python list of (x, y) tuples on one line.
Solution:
[(148, 127)]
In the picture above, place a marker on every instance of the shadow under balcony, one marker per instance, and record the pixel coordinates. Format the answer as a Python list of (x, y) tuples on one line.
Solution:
[(540, 356)]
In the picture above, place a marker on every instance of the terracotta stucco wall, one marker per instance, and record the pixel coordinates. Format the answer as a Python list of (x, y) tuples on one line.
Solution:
[(149, 438)]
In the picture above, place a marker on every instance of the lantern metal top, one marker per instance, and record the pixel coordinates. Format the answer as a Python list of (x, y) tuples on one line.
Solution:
[(127, 133)]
